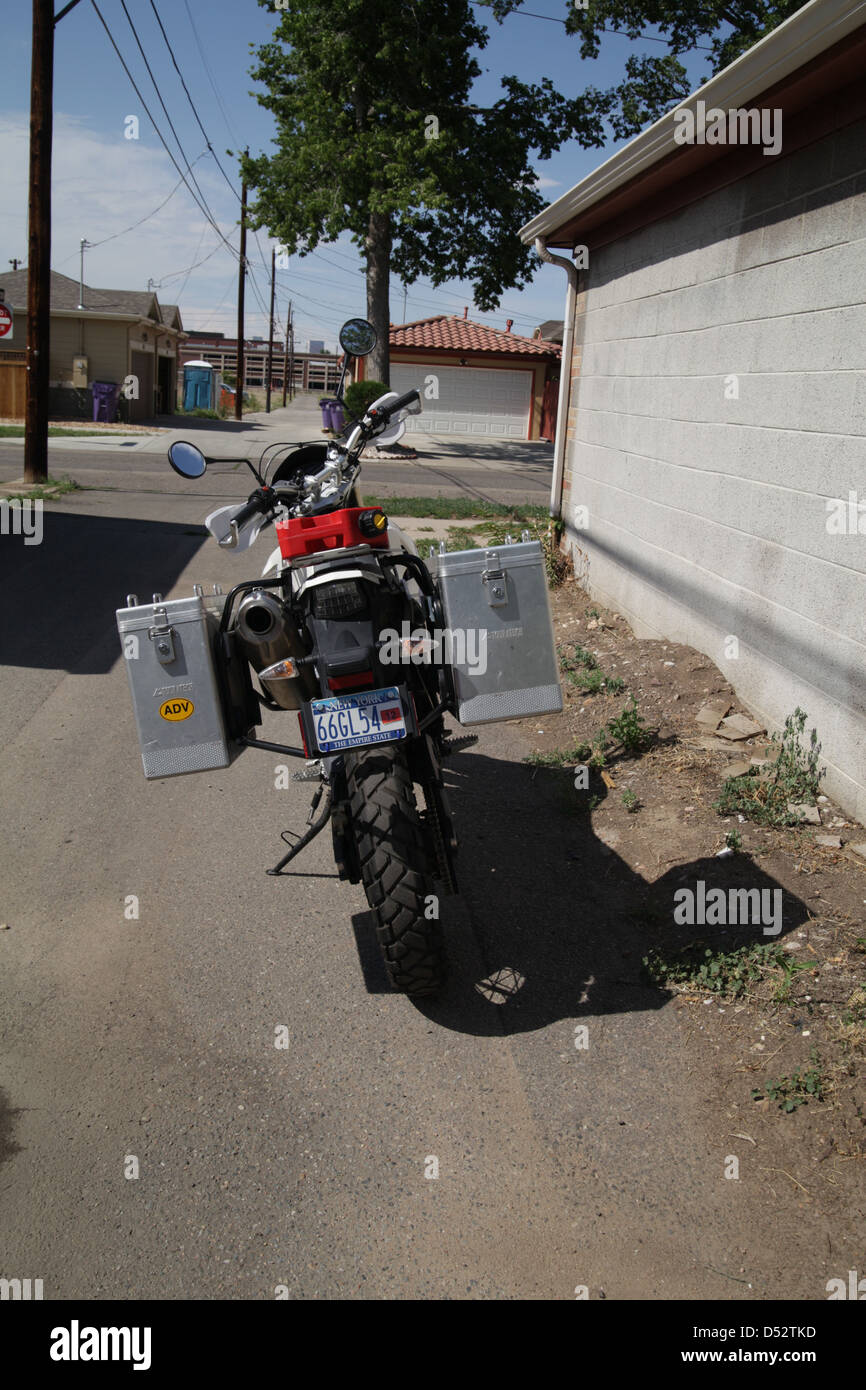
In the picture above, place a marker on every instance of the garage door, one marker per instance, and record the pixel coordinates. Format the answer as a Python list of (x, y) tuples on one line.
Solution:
[(472, 400)]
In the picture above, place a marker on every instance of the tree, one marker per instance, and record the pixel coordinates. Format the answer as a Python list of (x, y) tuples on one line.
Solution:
[(654, 84), (376, 135)]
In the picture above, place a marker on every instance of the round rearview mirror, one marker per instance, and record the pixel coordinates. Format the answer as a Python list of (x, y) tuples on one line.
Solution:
[(186, 459), (358, 337)]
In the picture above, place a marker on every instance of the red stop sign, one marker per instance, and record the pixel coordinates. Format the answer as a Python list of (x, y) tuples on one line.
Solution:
[(5, 321)]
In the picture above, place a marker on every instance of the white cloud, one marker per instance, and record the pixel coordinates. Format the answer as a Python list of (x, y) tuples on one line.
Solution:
[(100, 186)]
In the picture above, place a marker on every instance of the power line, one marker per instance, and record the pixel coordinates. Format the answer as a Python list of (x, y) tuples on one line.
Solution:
[(208, 71), (202, 206), (200, 202), (192, 103), (141, 220), (208, 142), (175, 274), (165, 110), (553, 19)]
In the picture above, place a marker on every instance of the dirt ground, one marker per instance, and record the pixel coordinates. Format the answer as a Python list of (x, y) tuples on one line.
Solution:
[(807, 1016)]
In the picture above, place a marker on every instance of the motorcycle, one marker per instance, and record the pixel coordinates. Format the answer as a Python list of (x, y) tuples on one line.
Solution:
[(339, 629)]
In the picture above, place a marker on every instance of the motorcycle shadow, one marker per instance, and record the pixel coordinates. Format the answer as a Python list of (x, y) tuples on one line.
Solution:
[(551, 923)]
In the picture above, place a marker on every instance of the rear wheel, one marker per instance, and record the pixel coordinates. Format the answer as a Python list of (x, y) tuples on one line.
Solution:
[(396, 868)]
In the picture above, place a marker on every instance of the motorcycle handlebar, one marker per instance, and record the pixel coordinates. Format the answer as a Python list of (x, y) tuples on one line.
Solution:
[(391, 407), (256, 506)]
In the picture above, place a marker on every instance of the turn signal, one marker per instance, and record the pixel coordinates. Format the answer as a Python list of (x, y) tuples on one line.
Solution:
[(280, 671)]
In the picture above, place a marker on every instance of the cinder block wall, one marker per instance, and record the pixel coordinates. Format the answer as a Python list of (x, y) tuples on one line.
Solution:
[(706, 496)]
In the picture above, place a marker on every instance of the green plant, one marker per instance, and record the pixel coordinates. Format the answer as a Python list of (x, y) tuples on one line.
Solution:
[(52, 487), (727, 973), (734, 840), (581, 669), (360, 395), (629, 729), (789, 968), (630, 801), (793, 776), (457, 509), (789, 1092), (560, 757)]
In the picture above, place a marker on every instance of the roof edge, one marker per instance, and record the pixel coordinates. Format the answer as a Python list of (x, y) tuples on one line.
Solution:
[(807, 34)]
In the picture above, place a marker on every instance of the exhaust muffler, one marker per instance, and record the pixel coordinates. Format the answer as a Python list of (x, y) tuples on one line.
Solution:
[(266, 639)]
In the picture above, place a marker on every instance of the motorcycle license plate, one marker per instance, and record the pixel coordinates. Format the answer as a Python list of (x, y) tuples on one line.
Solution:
[(351, 721)]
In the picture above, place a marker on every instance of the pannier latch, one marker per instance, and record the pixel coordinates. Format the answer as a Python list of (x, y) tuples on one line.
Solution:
[(494, 580), (162, 633)]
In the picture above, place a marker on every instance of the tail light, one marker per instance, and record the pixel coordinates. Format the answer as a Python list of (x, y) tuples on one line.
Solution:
[(343, 599)]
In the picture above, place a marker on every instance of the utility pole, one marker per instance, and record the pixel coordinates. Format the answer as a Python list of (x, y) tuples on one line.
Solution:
[(242, 271), (271, 331), (82, 247), (405, 293), (291, 355), (39, 244), (39, 239), (286, 353)]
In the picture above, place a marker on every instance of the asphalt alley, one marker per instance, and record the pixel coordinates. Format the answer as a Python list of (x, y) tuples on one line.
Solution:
[(148, 1032)]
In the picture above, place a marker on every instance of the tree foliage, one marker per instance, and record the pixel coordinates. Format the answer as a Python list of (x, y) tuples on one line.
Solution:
[(377, 135), (654, 83)]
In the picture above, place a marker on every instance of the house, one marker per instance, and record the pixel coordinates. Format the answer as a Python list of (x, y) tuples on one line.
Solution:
[(473, 379), (551, 330), (710, 460), (309, 372), (119, 336)]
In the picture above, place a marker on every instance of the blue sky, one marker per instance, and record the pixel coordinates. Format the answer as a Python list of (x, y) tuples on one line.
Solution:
[(103, 182)]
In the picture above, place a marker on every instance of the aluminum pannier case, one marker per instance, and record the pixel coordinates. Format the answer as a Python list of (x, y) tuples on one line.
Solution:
[(499, 632), (191, 692)]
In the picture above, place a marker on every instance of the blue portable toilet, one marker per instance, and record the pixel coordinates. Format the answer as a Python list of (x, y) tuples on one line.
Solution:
[(198, 386)]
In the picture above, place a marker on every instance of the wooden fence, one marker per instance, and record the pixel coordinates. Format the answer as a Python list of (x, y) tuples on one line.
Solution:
[(13, 385)]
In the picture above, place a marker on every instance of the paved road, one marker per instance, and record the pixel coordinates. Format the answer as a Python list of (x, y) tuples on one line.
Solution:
[(149, 961), (498, 470)]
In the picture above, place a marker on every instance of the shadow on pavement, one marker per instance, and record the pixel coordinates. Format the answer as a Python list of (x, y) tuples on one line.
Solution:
[(8, 1147), (60, 597), (511, 451), (546, 900)]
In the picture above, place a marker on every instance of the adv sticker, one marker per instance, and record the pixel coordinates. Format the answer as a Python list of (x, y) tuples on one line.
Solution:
[(175, 710)]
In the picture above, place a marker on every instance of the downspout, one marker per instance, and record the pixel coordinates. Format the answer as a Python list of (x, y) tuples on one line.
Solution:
[(564, 371)]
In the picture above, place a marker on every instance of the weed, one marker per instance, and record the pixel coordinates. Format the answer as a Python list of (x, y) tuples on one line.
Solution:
[(789, 1092), (727, 973), (793, 776), (630, 801), (734, 840), (456, 509), (52, 487), (560, 757), (629, 729)]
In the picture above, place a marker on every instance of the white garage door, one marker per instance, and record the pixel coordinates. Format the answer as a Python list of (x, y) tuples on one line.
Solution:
[(472, 400)]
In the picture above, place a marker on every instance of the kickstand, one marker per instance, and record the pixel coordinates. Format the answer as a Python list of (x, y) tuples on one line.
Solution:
[(315, 826)]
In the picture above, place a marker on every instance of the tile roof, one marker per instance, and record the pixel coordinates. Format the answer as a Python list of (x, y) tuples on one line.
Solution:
[(450, 332)]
